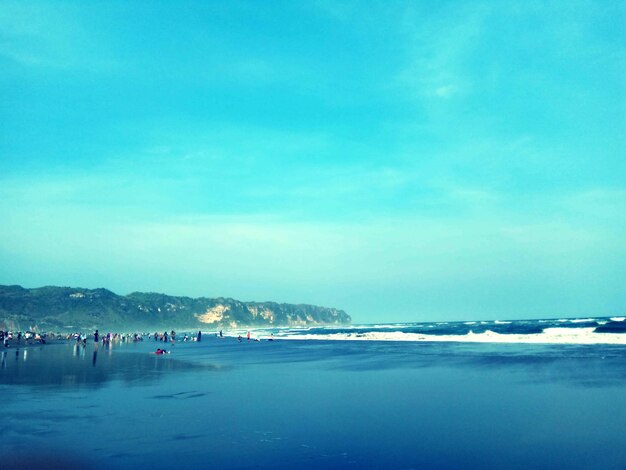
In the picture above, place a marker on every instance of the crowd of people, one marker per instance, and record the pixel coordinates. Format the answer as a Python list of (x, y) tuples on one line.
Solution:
[(25, 338), (105, 339), (20, 338)]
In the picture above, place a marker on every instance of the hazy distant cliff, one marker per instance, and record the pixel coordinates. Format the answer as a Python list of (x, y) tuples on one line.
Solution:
[(66, 308)]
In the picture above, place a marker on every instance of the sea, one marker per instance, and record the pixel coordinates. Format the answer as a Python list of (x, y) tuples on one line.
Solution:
[(540, 394), (609, 330)]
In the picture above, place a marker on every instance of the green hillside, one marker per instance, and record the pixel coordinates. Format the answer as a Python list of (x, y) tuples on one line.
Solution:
[(72, 309)]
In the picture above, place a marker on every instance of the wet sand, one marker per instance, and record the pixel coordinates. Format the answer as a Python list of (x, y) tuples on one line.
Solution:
[(316, 405)]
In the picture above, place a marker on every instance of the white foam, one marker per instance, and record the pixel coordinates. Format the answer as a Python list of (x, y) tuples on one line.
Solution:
[(575, 320), (500, 322), (549, 336), (385, 325), (618, 318)]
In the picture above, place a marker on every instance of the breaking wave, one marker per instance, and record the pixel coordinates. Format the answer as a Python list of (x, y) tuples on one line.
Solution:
[(559, 331)]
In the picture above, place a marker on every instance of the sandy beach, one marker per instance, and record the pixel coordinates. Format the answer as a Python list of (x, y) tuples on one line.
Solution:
[(316, 404)]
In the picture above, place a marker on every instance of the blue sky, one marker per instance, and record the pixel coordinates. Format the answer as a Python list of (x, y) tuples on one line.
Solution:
[(400, 160)]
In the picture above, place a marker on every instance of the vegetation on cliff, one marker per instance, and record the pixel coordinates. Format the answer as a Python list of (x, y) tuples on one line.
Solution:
[(66, 308)]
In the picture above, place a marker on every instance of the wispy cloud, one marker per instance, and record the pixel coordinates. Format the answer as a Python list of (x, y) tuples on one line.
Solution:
[(437, 50), (260, 257), (36, 34)]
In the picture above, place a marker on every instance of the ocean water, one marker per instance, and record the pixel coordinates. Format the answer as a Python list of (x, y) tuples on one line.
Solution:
[(319, 402), (609, 330)]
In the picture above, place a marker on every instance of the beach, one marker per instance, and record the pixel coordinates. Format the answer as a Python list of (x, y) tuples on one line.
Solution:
[(314, 404), (312, 235)]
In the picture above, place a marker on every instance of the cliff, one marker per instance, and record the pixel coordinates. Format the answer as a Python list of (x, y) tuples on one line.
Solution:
[(74, 309)]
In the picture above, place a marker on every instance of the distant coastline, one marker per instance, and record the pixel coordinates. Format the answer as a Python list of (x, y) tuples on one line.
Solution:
[(54, 308)]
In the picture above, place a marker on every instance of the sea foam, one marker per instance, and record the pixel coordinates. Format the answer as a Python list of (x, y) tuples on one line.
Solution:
[(548, 336)]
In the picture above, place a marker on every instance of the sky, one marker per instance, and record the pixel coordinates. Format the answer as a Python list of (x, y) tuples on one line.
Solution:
[(403, 161)]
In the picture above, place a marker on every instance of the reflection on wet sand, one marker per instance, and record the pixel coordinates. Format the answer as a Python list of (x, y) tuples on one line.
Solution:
[(74, 365), (67, 366)]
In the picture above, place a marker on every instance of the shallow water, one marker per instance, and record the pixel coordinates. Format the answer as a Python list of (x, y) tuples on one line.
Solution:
[(314, 404)]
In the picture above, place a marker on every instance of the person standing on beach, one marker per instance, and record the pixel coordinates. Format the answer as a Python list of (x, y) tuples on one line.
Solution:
[(96, 336), (199, 336), (248, 336)]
